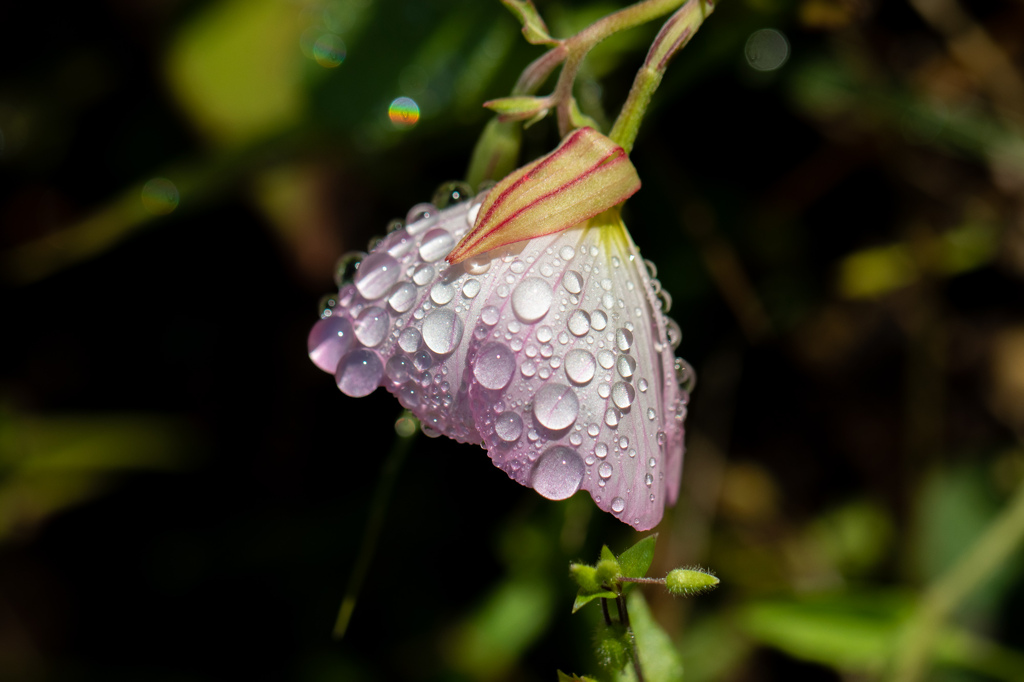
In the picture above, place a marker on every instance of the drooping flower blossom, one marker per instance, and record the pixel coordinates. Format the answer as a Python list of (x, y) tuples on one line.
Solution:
[(553, 353)]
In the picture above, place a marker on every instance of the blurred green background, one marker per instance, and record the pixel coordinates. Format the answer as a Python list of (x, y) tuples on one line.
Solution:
[(833, 193)]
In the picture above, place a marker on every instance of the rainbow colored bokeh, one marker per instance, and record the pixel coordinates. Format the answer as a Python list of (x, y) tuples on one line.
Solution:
[(404, 112)]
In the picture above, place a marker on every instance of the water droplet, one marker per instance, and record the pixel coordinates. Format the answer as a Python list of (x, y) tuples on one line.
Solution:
[(593, 430), (575, 438), (478, 265), (611, 417), (358, 373), (623, 339), (442, 331), (598, 320), (409, 340), (329, 340), (528, 368), (579, 366), (420, 217), (494, 366), (423, 361), (451, 193), (436, 244), (579, 323), (471, 288), (674, 333), (558, 473), (604, 390), (651, 414), (649, 480), (326, 305), (376, 275), (399, 243), (626, 365), (402, 297), (489, 315), (573, 282), (555, 407), (605, 470), (531, 299), (606, 359), (398, 368), (518, 267), (608, 301), (685, 375), (606, 284), (601, 450), (442, 292), (642, 385), (623, 442), (544, 334), (372, 326), (347, 266), (508, 426), (423, 274), (618, 504)]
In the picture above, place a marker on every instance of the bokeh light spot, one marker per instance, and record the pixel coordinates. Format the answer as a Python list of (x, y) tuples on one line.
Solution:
[(160, 196), (404, 112), (766, 49), (329, 51)]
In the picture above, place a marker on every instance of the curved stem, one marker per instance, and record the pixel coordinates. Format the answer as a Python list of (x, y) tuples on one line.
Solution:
[(381, 496), (1004, 535), (580, 44), (676, 32)]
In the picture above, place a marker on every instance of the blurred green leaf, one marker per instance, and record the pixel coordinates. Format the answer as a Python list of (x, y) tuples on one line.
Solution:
[(236, 68), (659, 658), (48, 464)]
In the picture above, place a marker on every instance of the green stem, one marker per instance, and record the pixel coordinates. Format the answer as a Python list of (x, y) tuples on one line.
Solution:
[(624, 620), (676, 32), (1004, 535), (381, 496), (580, 44)]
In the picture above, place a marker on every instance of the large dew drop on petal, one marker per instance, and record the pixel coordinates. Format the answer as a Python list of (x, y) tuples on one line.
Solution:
[(558, 473)]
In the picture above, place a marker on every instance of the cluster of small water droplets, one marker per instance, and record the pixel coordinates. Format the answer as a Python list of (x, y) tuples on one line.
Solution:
[(553, 353)]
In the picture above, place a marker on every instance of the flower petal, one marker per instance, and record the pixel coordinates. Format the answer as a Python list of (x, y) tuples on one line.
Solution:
[(551, 352)]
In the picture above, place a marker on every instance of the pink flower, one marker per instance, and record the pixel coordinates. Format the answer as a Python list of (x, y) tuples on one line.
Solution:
[(553, 353)]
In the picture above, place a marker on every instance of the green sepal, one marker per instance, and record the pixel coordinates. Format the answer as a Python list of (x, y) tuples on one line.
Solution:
[(607, 571), (636, 560), (607, 553), (585, 576), (687, 582), (520, 108), (612, 645), (584, 599), (496, 151), (534, 28)]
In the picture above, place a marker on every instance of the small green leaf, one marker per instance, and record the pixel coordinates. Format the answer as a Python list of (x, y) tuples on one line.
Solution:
[(685, 582), (519, 108), (607, 553), (584, 599), (636, 560), (534, 28)]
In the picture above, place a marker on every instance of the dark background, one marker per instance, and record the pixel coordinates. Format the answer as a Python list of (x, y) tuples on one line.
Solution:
[(183, 494)]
